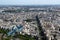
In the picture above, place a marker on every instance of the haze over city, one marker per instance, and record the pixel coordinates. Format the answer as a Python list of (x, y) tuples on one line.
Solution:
[(29, 19), (29, 2)]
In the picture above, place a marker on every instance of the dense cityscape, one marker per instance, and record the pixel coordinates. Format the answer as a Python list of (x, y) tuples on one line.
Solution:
[(30, 22)]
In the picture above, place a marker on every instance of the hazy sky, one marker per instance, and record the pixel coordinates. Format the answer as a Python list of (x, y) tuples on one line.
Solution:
[(29, 2)]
